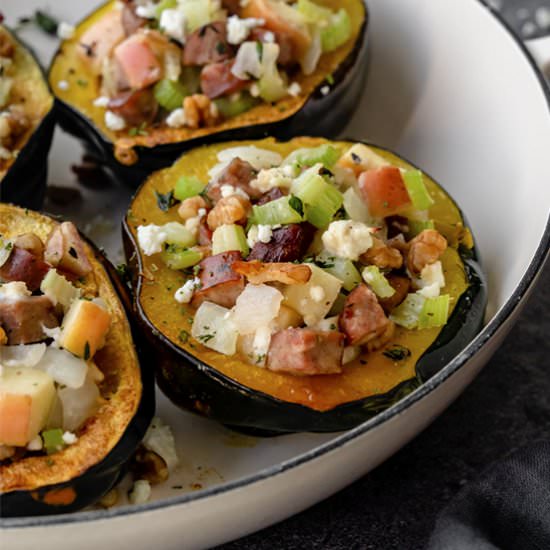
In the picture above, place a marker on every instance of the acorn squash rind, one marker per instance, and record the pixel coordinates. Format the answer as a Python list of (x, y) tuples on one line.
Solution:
[(321, 114), (82, 473), (194, 385)]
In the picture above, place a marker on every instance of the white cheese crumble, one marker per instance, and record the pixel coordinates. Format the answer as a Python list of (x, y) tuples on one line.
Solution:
[(69, 438), (317, 293), (254, 90), (114, 122), (140, 493), (15, 289), (176, 119), (238, 29), (65, 31), (270, 178), (185, 294), (63, 85), (295, 89), (172, 22), (101, 101), (265, 232), (151, 238), (325, 90), (147, 11), (35, 444), (347, 239), (269, 37), (227, 190), (159, 439), (247, 62), (431, 281)]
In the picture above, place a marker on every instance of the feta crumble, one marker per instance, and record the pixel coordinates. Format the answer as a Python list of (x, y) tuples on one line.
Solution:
[(269, 37), (69, 438), (65, 31), (147, 11), (176, 119), (270, 178), (325, 90), (35, 444), (101, 101), (114, 122), (238, 29), (185, 294), (295, 89), (151, 238), (254, 90), (140, 493), (431, 281), (229, 190), (172, 22), (347, 239)]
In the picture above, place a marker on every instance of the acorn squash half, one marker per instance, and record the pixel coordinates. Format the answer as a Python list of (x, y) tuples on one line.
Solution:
[(82, 473), (247, 397), (327, 100), (23, 175)]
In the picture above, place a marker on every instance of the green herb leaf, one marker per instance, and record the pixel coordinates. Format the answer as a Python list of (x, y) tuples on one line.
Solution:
[(397, 352), (86, 351), (166, 201), (296, 204), (46, 22)]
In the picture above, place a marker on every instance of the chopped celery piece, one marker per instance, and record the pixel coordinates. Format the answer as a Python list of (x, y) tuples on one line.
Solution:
[(376, 280), (414, 182), (178, 257), (321, 199), (177, 233), (213, 329), (356, 208), (53, 440), (434, 312), (200, 12), (338, 305), (271, 85), (325, 154), (277, 212), (229, 237), (407, 312), (313, 12), (165, 5), (188, 186), (229, 107), (417, 226), (337, 32), (169, 94), (58, 289), (341, 268)]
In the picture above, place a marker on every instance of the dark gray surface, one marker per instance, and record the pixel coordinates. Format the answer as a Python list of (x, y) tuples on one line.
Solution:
[(506, 407)]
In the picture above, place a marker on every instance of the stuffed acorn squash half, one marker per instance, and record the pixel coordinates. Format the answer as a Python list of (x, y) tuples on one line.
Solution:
[(74, 402), (26, 124), (141, 82), (301, 285)]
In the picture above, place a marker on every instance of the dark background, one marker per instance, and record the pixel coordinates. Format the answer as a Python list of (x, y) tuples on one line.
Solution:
[(506, 407)]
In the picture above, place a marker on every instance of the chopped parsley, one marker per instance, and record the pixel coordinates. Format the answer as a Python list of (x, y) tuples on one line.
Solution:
[(397, 352), (165, 201)]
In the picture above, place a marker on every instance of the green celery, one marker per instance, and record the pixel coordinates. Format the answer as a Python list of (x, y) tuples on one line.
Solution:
[(188, 186), (414, 182), (378, 282), (435, 312), (165, 5), (232, 107), (325, 154), (277, 212), (170, 94), (229, 237), (407, 312), (417, 226), (341, 268), (53, 440), (337, 32), (178, 257)]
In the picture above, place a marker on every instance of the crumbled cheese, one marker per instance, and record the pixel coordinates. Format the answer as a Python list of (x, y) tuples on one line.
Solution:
[(193, 224), (173, 22), (295, 89), (140, 493), (176, 119), (114, 122), (347, 239), (54, 334), (265, 232), (15, 289), (63, 85), (147, 11), (101, 101), (325, 90), (151, 238), (35, 444), (65, 31), (69, 438), (270, 178), (238, 29), (159, 439), (247, 62), (254, 90), (431, 281), (317, 293), (252, 236), (5, 154), (269, 37), (185, 294), (229, 190), (201, 213)]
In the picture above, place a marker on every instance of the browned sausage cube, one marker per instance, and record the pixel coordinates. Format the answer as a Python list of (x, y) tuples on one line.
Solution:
[(25, 267)]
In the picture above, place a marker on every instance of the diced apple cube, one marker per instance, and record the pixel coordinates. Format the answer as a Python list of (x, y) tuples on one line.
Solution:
[(213, 328)]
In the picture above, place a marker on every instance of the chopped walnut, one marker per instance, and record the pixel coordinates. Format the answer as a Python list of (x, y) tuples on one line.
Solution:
[(425, 249), (189, 208), (229, 210), (382, 255), (200, 111)]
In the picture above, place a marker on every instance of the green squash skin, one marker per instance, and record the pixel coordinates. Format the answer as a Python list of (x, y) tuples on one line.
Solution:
[(321, 115), (25, 182), (86, 489), (195, 386)]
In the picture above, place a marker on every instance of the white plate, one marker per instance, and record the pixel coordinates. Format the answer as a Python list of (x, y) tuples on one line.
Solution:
[(453, 91)]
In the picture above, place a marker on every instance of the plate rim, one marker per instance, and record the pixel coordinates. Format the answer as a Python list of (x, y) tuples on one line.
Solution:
[(489, 331)]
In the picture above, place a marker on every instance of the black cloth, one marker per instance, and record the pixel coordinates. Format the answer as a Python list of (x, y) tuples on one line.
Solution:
[(507, 507)]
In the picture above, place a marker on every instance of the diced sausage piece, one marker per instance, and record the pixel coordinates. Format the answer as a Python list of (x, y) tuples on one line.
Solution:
[(401, 286), (131, 22), (286, 56), (31, 243), (287, 273), (425, 249), (135, 107), (219, 283), (138, 61), (217, 80), (99, 40), (304, 351), (207, 45), (24, 266), (382, 255), (65, 250), (363, 320), (287, 244), (23, 318), (238, 173), (271, 195)]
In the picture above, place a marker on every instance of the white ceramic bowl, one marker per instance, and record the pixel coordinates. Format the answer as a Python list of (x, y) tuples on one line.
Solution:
[(452, 90)]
